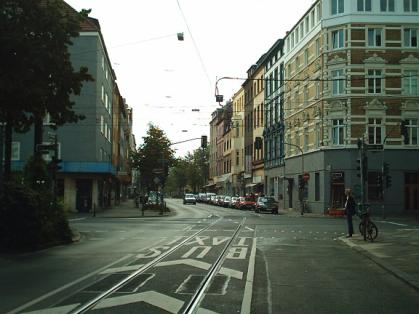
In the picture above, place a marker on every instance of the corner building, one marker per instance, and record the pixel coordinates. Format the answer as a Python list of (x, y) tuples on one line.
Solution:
[(351, 72)]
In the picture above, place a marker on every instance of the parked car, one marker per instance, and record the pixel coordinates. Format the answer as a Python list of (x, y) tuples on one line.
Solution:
[(226, 201), (189, 199), (201, 197), (208, 197), (245, 203), (219, 200), (233, 201), (213, 199), (266, 203)]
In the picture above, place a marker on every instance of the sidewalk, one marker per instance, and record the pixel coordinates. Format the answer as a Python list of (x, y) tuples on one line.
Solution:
[(125, 209), (395, 250)]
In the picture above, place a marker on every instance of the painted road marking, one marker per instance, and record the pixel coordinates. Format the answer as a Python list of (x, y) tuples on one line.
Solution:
[(250, 229), (202, 265), (77, 219), (55, 310), (392, 223), (205, 250), (121, 269), (247, 295)]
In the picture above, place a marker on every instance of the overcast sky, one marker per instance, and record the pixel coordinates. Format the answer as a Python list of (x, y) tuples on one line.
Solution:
[(164, 79)]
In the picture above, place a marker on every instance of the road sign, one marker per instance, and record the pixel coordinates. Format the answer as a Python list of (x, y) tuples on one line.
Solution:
[(306, 176), (158, 170), (375, 147)]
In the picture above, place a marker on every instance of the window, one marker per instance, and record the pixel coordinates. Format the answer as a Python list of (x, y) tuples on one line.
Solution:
[(305, 93), (375, 130), (237, 158), (306, 57), (364, 5), (319, 11), (106, 100), (338, 133), (101, 124), (297, 62), (410, 82), (387, 5), (337, 7), (338, 82), (103, 94), (15, 150), (410, 37), (307, 24), (105, 130), (318, 47), (412, 131), (306, 139), (374, 81), (312, 18), (317, 84), (103, 62), (47, 120), (410, 5), (375, 37), (337, 39)]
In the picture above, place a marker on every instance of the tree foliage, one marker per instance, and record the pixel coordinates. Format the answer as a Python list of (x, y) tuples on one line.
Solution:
[(155, 154), (190, 173), (36, 74)]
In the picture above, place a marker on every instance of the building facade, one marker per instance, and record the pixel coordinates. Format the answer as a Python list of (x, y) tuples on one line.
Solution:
[(94, 151), (351, 73)]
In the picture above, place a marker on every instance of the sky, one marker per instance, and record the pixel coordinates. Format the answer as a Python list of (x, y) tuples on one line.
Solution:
[(171, 83)]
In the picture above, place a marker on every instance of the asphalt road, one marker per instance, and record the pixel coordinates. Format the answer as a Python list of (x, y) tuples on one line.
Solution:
[(250, 263)]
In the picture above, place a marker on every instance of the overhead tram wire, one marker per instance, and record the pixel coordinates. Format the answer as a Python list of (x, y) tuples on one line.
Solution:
[(195, 45)]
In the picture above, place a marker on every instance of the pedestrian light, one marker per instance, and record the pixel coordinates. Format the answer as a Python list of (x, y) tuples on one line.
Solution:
[(388, 181), (180, 36), (203, 141)]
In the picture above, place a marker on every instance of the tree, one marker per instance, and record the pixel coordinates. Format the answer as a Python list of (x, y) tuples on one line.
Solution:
[(153, 158), (36, 74)]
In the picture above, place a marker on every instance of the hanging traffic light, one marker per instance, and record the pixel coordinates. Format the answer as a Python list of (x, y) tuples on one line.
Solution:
[(358, 168), (203, 141), (380, 182)]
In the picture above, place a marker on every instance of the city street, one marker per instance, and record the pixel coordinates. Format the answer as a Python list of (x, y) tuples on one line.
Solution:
[(216, 260)]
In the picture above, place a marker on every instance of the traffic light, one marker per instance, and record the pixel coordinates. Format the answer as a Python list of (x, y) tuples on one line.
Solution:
[(358, 168), (388, 181), (203, 141), (365, 168), (380, 182), (404, 131), (385, 169)]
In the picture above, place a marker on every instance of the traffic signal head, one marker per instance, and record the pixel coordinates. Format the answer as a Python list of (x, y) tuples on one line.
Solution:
[(358, 168), (203, 141)]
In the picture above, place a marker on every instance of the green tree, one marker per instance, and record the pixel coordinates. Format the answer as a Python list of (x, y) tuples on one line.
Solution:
[(36, 74), (153, 155)]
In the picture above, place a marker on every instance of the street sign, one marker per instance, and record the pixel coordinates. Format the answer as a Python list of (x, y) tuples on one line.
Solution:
[(158, 170), (375, 147), (306, 176)]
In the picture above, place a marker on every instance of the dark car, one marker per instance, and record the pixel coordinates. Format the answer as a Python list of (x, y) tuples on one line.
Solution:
[(266, 203), (189, 199)]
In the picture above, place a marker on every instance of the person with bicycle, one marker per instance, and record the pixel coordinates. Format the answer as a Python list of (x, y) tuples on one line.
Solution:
[(350, 210)]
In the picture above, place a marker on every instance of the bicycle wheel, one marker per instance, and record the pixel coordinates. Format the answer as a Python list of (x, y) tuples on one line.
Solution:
[(372, 231), (361, 228)]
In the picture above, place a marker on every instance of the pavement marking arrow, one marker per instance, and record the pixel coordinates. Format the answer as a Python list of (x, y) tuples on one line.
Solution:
[(154, 298)]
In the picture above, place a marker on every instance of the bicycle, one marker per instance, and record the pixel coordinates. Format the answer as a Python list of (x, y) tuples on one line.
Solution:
[(366, 227)]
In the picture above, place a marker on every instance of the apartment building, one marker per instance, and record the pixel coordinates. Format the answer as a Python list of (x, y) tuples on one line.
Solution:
[(351, 71), (273, 133), (94, 151), (237, 153), (253, 128)]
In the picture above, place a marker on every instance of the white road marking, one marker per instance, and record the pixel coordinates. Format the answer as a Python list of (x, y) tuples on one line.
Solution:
[(392, 223), (121, 269), (77, 219), (202, 265), (144, 282), (250, 229), (247, 295), (204, 311), (43, 297), (154, 298)]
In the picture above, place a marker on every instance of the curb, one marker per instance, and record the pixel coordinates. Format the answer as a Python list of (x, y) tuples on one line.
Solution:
[(397, 273)]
